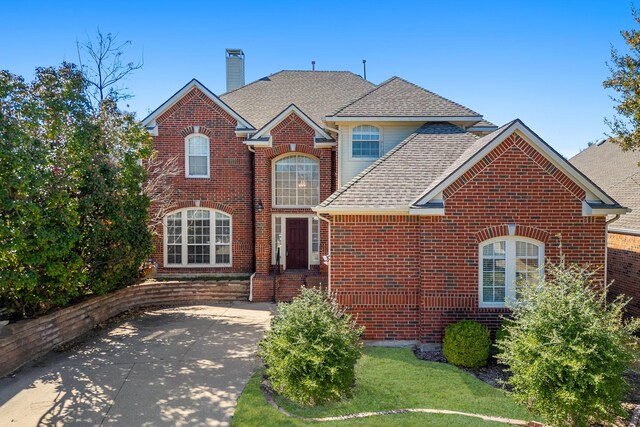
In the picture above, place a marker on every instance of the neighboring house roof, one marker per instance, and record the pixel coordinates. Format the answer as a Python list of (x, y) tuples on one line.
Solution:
[(411, 177), (150, 119), (617, 172), (397, 97), (317, 93)]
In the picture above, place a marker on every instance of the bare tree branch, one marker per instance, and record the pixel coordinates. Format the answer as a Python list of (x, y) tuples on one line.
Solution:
[(158, 187), (102, 65)]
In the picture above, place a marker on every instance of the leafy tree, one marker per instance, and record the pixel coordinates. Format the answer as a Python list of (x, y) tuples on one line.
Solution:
[(567, 348), (73, 219), (624, 79)]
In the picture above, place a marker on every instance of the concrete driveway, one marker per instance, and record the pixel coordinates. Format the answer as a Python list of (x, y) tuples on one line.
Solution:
[(170, 367)]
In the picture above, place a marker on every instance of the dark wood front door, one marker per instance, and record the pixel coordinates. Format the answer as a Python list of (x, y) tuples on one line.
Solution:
[(297, 243)]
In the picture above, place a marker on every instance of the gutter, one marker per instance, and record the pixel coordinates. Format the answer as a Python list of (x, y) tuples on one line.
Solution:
[(251, 287), (606, 245), (328, 250)]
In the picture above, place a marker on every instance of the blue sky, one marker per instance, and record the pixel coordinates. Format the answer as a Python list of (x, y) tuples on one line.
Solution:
[(543, 61)]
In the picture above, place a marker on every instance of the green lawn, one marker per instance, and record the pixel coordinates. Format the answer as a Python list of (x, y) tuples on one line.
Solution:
[(391, 379)]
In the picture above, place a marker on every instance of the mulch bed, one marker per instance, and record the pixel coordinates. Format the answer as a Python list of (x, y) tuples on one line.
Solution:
[(497, 375)]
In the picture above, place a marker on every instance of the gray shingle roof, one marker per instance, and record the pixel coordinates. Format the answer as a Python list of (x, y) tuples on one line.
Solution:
[(484, 124), (400, 176), (397, 97), (616, 172), (317, 93)]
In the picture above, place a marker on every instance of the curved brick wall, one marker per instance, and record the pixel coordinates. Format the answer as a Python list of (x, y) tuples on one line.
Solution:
[(25, 340)]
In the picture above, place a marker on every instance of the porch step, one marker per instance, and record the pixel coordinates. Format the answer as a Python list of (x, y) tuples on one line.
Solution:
[(288, 285)]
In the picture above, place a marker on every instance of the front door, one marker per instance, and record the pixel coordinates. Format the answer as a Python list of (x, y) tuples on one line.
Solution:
[(297, 243)]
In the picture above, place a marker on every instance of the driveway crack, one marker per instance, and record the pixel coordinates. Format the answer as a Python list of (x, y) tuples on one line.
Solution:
[(106, 415)]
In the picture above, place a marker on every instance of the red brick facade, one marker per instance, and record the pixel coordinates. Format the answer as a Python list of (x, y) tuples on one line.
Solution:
[(229, 187), (623, 268), (290, 137), (406, 278)]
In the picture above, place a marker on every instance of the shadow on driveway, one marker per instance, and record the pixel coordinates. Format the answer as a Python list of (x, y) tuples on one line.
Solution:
[(175, 367)]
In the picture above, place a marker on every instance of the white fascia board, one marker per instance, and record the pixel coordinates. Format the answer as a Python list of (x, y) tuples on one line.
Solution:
[(482, 129), (426, 211), (588, 210), (402, 119), (242, 123), (624, 231), (258, 143), (400, 210), (320, 133), (325, 144), (538, 144)]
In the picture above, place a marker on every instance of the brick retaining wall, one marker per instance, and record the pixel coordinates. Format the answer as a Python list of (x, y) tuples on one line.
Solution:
[(25, 340)]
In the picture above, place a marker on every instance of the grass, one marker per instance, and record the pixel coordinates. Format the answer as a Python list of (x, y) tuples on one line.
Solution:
[(391, 379)]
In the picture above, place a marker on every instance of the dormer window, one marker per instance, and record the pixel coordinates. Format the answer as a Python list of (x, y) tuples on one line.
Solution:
[(197, 156), (365, 142)]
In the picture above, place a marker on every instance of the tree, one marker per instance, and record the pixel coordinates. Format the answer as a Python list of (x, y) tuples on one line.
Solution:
[(73, 218), (567, 348), (625, 80), (101, 62)]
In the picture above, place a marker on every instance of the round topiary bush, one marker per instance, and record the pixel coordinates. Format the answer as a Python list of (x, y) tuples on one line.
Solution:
[(311, 350), (467, 344)]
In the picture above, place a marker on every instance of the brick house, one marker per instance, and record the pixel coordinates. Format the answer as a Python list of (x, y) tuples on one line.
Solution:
[(411, 208), (618, 173)]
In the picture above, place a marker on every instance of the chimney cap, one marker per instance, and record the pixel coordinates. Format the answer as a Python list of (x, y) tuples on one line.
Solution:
[(235, 52)]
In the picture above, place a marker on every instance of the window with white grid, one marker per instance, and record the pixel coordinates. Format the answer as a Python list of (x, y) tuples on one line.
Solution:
[(197, 156), (365, 142), (504, 262), (198, 237), (297, 181)]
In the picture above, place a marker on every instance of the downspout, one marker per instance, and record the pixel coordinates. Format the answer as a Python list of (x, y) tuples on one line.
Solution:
[(253, 216), (328, 250), (606, 245)]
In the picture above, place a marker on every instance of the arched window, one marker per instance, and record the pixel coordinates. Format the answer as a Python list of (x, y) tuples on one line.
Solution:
[(197, 152), (503, 262), (365, 142), (197, 237), (297, 181)]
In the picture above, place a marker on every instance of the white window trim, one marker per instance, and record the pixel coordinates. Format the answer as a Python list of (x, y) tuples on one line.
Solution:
[(283, 257), (184, 245), (510, 271), (186, 156), (273, 180), (381, 149)]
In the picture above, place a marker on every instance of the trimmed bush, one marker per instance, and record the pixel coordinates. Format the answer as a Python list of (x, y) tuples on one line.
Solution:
[(467, 344), (568, 348), (311, 350)]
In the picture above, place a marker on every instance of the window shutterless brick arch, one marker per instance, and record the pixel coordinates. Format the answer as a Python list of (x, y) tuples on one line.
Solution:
[(407, 278)]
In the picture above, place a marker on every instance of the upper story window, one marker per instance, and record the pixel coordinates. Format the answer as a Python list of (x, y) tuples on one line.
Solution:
[(504, 262), (365, 142), (197, 237), (197, 156), (297, 181)]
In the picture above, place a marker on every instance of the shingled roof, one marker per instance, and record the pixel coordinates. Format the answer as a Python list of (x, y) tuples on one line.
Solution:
[(616, 172), (401, 175), (317, 93), (397, 97)]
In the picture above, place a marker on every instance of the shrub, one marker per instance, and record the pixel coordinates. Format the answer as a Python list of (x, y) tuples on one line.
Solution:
[(467, 344), (502, 334), (568, 348), (311, 350)]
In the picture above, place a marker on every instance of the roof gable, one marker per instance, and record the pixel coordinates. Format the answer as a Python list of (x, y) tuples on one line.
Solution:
[(258, 137), (397, 97), (317, 93), (434, 157), (486, 144), (149, 121)]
